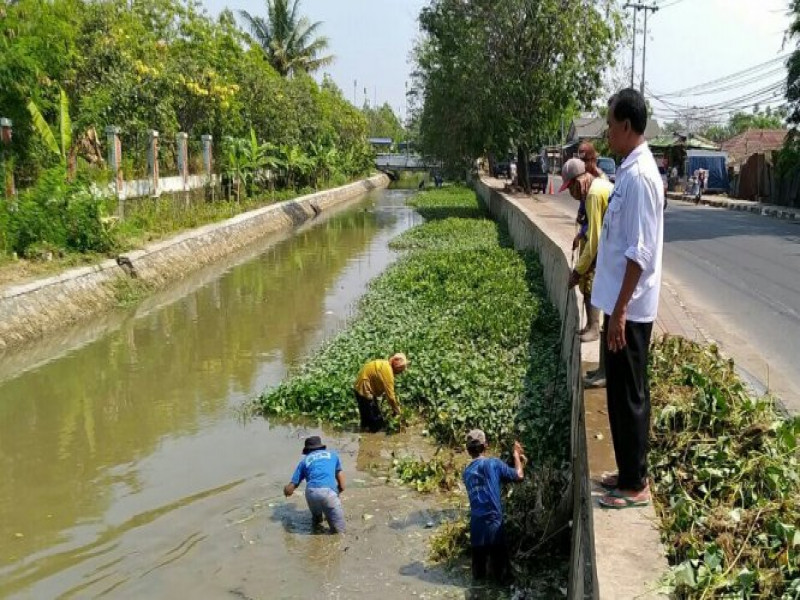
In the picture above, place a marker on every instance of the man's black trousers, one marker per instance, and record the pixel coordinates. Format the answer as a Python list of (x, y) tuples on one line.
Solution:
[(628, 394)]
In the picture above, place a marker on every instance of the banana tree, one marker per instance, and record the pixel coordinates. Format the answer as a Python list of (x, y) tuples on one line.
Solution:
[(297, 163), (324, 160), (62, 146)]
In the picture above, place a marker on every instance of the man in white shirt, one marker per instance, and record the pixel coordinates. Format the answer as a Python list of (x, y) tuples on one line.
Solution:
[(626, 288)]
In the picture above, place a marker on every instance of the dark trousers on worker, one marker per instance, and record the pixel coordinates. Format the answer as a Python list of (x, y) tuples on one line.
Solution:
[(370, 414), (492, 560), (628, 394)]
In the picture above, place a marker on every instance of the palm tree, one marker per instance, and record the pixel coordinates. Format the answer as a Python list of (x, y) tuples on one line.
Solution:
[(288, 40)]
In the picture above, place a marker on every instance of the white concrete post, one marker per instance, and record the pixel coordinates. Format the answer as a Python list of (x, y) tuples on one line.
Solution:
[(115, 166), (152, 162), (181, 140), (6, 129), (207, 157)]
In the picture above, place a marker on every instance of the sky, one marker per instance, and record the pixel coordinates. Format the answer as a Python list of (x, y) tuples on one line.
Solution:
[(690, 42)]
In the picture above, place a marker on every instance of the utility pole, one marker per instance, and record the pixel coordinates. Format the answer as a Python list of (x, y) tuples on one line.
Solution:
[(633, 48), (636, 8), (646, 9), (355, 84)]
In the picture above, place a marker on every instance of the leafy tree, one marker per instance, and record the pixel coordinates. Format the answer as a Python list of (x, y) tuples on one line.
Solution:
[(383, 122), (495, 75), (289, 40)]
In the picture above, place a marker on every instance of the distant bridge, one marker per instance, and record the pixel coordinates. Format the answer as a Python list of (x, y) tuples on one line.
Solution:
[(393, 163)]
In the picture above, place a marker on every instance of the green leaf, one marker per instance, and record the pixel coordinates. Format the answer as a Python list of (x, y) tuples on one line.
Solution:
[(65, 125), (43, 128)]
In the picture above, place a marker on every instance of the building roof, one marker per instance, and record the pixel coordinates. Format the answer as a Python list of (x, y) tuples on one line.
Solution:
[(690, 140), (593, 127), (377, 141), (753, 141)]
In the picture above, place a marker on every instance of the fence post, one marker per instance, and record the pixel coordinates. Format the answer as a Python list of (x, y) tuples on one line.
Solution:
[(115, 165), (8, 171), (152, 162), (208, 166), (181, 139)]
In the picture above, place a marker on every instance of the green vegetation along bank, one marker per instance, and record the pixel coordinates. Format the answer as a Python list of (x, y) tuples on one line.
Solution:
[(71, 68), (470, 312), (726, 477)]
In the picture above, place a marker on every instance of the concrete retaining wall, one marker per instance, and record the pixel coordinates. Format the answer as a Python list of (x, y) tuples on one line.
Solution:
[(32, 310), (527, 234)]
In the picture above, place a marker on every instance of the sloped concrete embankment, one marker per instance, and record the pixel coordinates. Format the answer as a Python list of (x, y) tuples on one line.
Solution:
[(32, 310), (527, 233)]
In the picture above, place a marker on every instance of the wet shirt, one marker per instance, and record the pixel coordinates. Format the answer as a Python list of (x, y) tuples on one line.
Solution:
[(482, 478), (375, 379), (319, 469)]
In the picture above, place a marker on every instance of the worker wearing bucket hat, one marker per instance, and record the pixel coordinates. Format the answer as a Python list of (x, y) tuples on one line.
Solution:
[(376, 379), (322, 470)]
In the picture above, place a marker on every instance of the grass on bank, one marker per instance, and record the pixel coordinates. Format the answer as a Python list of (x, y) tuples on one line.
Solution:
[(726, 479), (472, 315), (52, 243)]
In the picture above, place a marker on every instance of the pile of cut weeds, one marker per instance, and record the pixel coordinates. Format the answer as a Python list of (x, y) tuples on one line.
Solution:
[(726, 479)]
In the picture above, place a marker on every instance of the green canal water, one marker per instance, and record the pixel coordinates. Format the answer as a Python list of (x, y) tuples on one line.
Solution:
[(128, 471)]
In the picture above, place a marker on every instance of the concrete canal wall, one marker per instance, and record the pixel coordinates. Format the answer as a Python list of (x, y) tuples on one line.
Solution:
[(32, 310), (528, 231)]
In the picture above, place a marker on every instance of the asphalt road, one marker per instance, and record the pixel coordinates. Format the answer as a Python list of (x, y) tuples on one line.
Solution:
[(739, 275)]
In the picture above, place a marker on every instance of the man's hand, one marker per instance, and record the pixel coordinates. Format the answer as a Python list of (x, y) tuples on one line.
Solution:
[(616, 330), (574, 278), (288, 489)]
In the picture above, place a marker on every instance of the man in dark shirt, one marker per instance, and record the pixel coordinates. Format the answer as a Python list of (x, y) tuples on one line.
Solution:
[(482, 478)]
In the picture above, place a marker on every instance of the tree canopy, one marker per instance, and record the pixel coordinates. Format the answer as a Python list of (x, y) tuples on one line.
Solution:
[(496, 75), (156, 64), (289, 40)]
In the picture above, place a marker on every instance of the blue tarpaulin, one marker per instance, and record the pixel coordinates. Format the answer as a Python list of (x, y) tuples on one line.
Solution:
[(713, 162)]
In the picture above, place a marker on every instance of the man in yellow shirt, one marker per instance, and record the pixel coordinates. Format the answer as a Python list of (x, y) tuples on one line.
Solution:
[(595, 193), (376, 379)]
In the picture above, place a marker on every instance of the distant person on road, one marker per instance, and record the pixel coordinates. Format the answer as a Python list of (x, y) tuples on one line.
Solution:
[(512, 171), (593, 192), (482, 478), (322, 470), (376, 379), (626, 288)]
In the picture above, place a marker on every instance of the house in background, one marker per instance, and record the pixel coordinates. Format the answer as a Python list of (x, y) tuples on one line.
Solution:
[(671, 149), (751, 166), (381, 145), (752, 141), (593, 129)]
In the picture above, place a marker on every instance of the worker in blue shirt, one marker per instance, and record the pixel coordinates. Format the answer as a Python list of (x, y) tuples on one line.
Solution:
[(322, 470), (482, 478)]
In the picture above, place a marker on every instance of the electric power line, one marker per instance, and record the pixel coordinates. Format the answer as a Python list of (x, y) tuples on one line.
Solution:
[(726, 79)]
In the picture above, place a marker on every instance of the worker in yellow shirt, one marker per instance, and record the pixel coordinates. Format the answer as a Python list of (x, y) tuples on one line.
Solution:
[(376, 379), (595, 193)]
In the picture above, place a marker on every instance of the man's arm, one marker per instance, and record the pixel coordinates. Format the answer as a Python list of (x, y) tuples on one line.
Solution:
[(518, 461), (340, 480), (616, 322), (641, 233), (299, 475)]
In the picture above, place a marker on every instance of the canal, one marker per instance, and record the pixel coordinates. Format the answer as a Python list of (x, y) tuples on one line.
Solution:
[(127, 469)]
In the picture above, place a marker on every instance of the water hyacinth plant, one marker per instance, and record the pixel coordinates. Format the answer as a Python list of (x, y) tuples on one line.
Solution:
[(726, 479)]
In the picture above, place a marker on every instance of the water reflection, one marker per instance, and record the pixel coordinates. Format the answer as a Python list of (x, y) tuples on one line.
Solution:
[(76, 433)]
